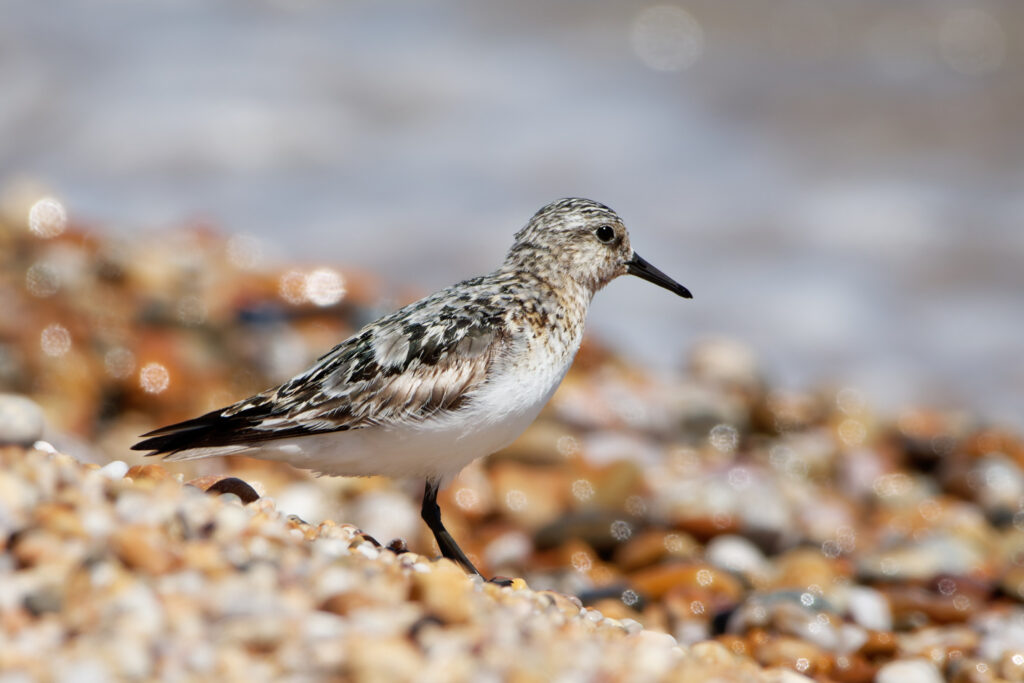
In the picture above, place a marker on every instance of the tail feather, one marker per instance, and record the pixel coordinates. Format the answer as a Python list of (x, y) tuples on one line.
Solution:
[(206, 431), (217, 434), (196, 453)]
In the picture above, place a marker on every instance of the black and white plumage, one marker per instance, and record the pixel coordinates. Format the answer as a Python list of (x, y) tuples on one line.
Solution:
[(453, 377)]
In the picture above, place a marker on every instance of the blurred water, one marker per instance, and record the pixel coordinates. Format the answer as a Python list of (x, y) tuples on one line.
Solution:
[(839, 183)]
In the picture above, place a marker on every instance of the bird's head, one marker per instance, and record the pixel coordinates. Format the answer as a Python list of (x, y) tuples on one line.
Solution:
[(585, 241)]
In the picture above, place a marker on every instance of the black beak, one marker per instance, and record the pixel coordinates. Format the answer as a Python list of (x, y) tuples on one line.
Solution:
[(642, 269)]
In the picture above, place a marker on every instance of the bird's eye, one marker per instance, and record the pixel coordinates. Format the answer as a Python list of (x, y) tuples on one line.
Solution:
[(605, 233)]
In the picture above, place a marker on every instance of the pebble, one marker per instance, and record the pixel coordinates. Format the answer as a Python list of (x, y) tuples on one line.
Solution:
[(445, 592), (151, 472), (853, 668), (801, 569), (657, 581), (21, 420), (909, 671), (115, 469), (918, 560), (233, 485), (793, 653), (649, 547), (737, 554), (143, 548), (940, 645), (869, 608)]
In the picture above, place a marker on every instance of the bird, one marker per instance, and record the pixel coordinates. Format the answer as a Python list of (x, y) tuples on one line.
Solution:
[(458, 375)]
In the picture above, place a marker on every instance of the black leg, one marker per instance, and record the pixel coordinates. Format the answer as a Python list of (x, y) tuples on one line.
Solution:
[(431, 513)]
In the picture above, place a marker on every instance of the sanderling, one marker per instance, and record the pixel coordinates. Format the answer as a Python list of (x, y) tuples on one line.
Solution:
[(453, 377)]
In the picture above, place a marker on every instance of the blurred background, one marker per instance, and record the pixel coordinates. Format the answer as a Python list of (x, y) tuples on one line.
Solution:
[(839, 183)]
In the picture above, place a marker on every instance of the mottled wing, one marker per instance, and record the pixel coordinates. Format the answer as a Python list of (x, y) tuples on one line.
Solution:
[(418, 362), (389, 375)]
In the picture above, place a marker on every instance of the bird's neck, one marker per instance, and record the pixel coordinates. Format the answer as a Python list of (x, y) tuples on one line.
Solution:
[(537, 264), (554, 305)]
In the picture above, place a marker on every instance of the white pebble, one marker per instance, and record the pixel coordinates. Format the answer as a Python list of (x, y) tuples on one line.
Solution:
[(632, 626), (81, 671), (735, 554), (851, 638), (788, 676), (332, 547), (21, 420), (336, 580), (230, 520), (909, 671), (869, 608), (114, 470), (653, 655), (323, 626), (657, 639), (368, 550), (45, 447)]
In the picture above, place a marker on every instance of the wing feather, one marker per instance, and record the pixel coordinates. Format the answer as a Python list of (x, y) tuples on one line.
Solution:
[(416, 363)]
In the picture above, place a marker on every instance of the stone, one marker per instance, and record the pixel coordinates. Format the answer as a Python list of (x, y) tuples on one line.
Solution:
[(654, 582), (143, 548), (736, 554), (909, 671), (444, 592), (869, 608), (21, 421)]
